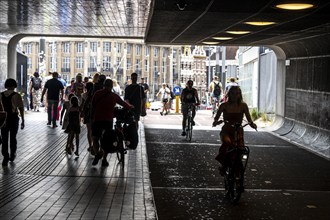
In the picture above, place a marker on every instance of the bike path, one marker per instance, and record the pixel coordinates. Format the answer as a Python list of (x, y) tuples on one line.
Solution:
[(283, 181)]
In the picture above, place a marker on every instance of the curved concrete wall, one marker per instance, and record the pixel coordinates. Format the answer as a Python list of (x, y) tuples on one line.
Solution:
[(307, 94)]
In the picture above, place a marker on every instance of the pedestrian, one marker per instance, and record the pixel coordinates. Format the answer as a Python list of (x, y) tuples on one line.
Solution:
[(64, 119), (103, 107), (145, 87), (35, 88), (78, 87), (85, 109), (54, 89), (135, 95), (116, 88), (73, 128), (165, 95), (13, 105)]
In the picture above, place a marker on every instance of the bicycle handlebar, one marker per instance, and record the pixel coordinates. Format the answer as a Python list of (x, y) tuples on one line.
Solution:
[(231, 124)]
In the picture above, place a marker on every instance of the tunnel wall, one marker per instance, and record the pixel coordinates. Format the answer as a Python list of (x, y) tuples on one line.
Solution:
[(307, 94)]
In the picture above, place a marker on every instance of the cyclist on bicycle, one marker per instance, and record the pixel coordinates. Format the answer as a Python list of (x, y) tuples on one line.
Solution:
[(215, 89), (189, 96), (233, 111)]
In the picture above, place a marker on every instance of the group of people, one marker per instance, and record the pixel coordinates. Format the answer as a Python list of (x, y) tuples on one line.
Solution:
[(93, 103)]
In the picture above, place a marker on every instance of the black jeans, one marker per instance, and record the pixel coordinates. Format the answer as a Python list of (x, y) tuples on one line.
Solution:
[(11, 128)]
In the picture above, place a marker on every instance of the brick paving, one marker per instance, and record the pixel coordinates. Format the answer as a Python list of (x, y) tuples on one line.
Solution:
[(45, 183)]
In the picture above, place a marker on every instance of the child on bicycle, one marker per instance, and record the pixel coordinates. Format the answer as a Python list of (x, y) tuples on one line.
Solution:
[(233, 111), (189, 96)]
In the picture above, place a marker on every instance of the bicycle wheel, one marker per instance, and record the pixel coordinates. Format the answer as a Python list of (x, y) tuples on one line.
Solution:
[(189, 128), (120, 151), (233, 185)]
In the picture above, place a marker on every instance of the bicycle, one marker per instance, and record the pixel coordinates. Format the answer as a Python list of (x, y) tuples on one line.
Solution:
[(124, 119), (189, 122), (215, 104), (234, 173)]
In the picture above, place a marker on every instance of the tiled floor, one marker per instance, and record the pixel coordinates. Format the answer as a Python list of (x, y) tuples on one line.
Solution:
[(45, 183)]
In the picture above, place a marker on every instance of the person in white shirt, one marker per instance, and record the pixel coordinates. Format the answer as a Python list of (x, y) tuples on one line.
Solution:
[(165, 96)]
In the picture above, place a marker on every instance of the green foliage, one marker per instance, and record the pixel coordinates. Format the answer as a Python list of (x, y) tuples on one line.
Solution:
[(255, 114)]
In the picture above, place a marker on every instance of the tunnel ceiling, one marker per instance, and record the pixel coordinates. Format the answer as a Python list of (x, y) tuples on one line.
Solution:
[(175, 22)]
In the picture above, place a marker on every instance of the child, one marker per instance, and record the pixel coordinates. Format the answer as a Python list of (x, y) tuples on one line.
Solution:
[(64, 112), (73, 128)]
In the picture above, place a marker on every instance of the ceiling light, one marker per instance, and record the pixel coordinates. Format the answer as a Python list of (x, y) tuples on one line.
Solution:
[(260, 23), (222, 38), (210, 42), (238, 32), (295, 6)]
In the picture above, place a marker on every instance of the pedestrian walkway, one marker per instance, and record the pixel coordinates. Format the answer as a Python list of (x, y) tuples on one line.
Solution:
[(45, 183)]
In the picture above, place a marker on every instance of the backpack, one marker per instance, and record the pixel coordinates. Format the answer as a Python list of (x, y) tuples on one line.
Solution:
[(36, 83), (172, 95), (217, 89), (7, 105)]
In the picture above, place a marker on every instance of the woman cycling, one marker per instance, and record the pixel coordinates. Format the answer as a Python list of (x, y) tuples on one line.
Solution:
[(233, 111)]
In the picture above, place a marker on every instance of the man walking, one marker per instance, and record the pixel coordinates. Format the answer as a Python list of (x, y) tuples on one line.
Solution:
[(53, 87)]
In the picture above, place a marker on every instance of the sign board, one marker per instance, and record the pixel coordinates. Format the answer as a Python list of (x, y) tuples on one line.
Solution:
[(177, 90)]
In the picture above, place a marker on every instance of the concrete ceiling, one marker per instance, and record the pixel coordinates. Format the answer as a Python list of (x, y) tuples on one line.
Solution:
[(164, 21)]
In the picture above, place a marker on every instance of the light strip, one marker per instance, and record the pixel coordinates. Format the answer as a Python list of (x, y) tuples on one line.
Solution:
[(210, 42), (222, 38), (260, 23), (238, 32), (294, 6)]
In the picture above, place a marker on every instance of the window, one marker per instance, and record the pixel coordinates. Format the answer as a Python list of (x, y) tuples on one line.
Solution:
[(106, 47), (92, 62), (164, 52), (146, 66), (66, 63), (156, 51), (138, 62), (146, 51), (118, 48), (52, 47), (28, 48), (53, 63), (79, 63), (138, 49), (129, 48), (128, 64), (66, 47), (118, 63), (93, 46), (80, 47), (29, 63), (155, 66), (164, 67), (106, 63)]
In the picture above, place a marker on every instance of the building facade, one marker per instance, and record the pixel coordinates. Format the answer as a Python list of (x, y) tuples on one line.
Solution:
[(116, 58)]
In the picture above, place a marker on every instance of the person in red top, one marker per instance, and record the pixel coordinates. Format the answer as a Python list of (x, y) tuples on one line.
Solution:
[(103, 106)]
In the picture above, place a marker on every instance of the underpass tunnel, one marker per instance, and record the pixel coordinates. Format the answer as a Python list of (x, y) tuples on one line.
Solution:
[(302, 80)]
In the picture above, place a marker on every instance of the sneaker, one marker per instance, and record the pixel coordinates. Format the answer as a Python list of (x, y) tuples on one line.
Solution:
[(193, 123), (183, 133), (76, 153), (54, 125), (48, 123), (68, 150), (105, 163), (161, 113), (12, 157), (96, 160)]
